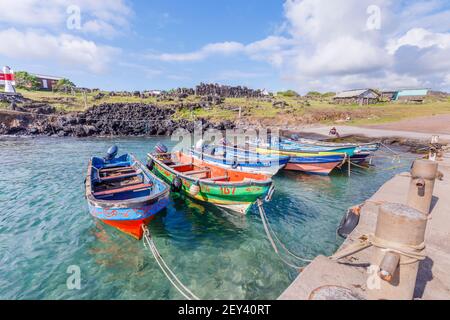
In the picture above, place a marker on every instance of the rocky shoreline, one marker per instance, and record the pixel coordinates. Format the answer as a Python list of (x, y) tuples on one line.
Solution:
[(29, 118), (116, 119)]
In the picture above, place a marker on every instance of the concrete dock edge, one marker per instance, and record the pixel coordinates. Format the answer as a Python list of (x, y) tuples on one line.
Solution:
[(354, 273)]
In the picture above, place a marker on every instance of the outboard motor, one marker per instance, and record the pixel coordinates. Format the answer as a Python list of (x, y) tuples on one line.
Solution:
[(160, 148), (111, 153)]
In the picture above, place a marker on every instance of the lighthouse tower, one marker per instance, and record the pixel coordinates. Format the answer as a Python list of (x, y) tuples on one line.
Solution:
[(7, 78)]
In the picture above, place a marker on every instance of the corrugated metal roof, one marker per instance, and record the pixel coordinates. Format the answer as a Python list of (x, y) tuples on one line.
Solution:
[(352, 93), (42, 76), (413, 92)]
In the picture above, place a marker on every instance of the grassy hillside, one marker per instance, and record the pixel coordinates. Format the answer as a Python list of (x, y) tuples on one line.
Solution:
[(279, 110)]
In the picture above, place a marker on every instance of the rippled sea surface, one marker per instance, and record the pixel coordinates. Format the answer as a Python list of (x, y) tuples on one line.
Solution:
[(45, 227)]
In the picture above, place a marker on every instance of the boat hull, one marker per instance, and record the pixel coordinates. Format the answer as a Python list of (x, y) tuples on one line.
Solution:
[(364, 147), (321, 163), (237, 197), (130, 220), (313, 168), (360, 158), (124, 204), (290, 147)]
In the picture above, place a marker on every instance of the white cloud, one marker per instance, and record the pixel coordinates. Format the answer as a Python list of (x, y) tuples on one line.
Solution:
[(239, 74), (99, 27), (344, 55), (329, 45), (102, 18), (64, 48), (420, 38), (31, 12), (337, 50), (150, 73), (446, 82), (220, 48), (266, 49)]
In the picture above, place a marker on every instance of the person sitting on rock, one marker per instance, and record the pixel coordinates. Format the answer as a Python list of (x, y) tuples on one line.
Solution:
[(334, 132)]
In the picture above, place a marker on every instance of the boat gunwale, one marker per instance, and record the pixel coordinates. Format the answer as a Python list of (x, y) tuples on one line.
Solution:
[(259, 164), (293, 154), (130, 203), (331, 144), (284, 157), (266, 182)]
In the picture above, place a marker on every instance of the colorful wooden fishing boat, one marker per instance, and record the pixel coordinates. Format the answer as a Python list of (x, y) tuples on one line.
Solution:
[(363, 147), (242, 160), (123, 193), (360, 157), (321, 163), (292, 146), (204, 181)]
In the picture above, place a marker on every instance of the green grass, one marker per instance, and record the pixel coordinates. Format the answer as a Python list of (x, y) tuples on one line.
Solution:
[(298, 110), (214, 114), (396, 112), (4, 105)]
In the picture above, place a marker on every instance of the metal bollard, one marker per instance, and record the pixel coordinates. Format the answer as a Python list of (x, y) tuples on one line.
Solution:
[(389, 265), (423, 176), (398, 225)]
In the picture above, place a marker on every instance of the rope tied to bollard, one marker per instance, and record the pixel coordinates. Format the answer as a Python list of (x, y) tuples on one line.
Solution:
[(269, 232), (182, 289), (413, 252)]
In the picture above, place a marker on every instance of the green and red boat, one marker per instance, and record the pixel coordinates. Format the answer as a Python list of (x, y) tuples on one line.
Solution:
[(203, 181)]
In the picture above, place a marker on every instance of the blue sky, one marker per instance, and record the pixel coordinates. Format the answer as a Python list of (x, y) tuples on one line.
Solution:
[(274, 44)]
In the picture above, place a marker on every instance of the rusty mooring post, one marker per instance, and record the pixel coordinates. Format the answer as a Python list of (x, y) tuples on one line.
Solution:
[(423, 176), (398, 249)]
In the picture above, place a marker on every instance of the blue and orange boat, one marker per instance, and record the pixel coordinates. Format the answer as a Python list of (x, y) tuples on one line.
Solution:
[(123, 193)]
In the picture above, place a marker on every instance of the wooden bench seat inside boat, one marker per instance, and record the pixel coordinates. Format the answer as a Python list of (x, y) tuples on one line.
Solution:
[(118, 177), (116, 169), (214, 179), (180, 165), (128, 188), (196, 172)]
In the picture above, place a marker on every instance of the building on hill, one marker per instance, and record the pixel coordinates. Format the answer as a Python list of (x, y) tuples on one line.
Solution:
[(388, 94), (47, 82), (360, 96), (411, 95), (265, 92)]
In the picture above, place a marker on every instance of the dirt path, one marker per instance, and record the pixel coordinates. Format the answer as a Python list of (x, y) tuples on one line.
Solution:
[(439, 124), (417, 129)]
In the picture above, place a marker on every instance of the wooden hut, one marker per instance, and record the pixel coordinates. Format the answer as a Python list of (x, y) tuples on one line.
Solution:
[(388, 94), (361, 97), (411, 95)]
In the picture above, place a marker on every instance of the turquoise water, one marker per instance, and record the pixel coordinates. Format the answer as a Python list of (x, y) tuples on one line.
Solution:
[(45, 227)]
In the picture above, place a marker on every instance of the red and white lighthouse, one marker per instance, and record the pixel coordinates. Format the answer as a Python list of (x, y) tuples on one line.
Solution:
[(7, 78)]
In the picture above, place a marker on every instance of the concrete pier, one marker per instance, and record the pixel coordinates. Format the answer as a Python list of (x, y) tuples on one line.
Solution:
[(355, 273)]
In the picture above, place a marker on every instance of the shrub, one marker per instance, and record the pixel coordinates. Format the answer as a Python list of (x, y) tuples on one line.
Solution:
[(24, 80), (288, 93), (64, 84)]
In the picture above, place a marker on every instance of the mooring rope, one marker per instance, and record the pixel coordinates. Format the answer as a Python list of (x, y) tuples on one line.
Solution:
[(413, 252), (359, 166), (269, 232), (148, 243), (385, 146)]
